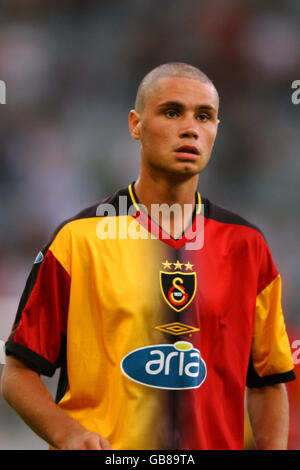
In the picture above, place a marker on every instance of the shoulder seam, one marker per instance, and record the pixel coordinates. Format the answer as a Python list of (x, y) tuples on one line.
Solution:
[(220, 214)]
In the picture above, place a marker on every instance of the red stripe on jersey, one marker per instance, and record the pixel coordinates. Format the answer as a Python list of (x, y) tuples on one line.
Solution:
[(44, 318)]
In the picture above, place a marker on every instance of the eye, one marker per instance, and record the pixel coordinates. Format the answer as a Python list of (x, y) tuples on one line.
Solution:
[(203, 117), (171, 113)]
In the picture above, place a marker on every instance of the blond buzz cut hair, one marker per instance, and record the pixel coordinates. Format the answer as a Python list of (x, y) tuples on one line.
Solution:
[(170, 69)]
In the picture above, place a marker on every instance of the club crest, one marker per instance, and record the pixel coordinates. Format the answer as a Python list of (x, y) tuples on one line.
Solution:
[(178, 287)]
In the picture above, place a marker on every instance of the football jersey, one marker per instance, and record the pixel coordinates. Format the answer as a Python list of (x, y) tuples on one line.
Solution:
[(156, 337)]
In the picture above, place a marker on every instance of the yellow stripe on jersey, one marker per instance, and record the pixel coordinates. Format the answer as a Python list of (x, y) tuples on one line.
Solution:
[(99, 335), (270, 352), (133, 198), (199, 202)]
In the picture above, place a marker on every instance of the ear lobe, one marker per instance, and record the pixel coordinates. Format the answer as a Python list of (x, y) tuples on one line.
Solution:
[(134, 121)]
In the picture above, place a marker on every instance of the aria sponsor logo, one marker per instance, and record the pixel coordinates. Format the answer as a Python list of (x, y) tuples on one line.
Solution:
[(296, 351), (175, 366)]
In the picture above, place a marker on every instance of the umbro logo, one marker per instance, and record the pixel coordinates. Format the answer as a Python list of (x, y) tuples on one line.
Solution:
[(177, 329)]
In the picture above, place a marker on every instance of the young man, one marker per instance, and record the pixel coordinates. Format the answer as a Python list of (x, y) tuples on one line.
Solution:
[(158, 323)]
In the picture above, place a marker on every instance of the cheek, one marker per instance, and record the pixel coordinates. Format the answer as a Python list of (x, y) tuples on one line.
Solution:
[(157, 135), (210, 136)]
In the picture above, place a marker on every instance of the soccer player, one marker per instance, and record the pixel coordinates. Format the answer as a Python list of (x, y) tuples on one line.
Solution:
[(158, 317)]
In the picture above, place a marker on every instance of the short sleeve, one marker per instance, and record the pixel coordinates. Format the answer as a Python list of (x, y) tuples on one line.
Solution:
[(38, 334), (270, 359)]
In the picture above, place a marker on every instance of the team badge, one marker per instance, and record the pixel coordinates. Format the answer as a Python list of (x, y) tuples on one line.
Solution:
[(178, 287)]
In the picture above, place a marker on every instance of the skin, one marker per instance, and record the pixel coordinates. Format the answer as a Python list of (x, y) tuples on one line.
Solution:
[(179, 111), (19, 385), (165, 177), (268, 410)]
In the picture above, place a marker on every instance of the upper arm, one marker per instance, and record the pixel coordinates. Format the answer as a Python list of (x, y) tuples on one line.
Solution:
[(38, 335), (270, 357), (13, 371), (14, 364)]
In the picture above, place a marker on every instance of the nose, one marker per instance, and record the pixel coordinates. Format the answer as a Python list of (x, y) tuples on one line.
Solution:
[(189, 129)]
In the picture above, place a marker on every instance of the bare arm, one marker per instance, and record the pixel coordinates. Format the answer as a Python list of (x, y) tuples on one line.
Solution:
[(268, 410), (23, 389)]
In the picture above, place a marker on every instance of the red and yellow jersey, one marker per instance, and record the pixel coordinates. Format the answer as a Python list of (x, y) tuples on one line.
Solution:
[(156, 338)]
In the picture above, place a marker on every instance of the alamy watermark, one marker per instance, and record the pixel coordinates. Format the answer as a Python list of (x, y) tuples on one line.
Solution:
[(296, 94), (2, 92), (163, 220), (296, 351)]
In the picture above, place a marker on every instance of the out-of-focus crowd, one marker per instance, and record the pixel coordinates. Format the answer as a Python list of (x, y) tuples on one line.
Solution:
[(71, 70)]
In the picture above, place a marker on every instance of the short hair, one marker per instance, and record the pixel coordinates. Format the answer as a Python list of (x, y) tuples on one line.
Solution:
[(170, 69)]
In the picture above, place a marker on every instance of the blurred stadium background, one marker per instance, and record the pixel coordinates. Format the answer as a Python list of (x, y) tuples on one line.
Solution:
[(71, 70)]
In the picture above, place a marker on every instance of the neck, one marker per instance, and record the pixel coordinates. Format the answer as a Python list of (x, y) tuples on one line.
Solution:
[(153, 191)]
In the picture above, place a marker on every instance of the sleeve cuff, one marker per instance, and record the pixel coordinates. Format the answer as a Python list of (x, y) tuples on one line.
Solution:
[(255, 381), (30, 358)]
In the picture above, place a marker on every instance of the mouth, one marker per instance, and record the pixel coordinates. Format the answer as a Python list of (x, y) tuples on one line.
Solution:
[(187, 152)]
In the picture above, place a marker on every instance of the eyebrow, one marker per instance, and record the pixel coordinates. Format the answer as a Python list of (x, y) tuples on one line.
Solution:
[(178, 105)]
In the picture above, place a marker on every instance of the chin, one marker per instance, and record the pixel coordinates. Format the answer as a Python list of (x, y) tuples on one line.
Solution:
[(184, 173), (188, 168)]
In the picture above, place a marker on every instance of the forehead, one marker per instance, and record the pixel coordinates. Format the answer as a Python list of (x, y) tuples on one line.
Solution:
[(187, 91)]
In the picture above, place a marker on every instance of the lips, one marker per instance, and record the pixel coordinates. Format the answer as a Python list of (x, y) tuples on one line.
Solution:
[(187, 151)]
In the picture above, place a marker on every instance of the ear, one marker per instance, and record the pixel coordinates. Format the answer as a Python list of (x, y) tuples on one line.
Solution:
[(134, 121)]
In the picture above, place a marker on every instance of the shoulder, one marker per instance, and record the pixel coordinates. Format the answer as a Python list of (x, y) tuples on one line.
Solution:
[(84, 216), (245, 239), (224, 216), (94, 211)]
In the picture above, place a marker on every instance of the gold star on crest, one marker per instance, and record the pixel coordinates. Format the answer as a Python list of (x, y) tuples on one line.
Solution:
[(188, 266), (177, 265), (167, 265)]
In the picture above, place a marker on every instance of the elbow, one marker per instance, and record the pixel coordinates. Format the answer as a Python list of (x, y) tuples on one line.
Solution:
[(6, 384), (12, 379)]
